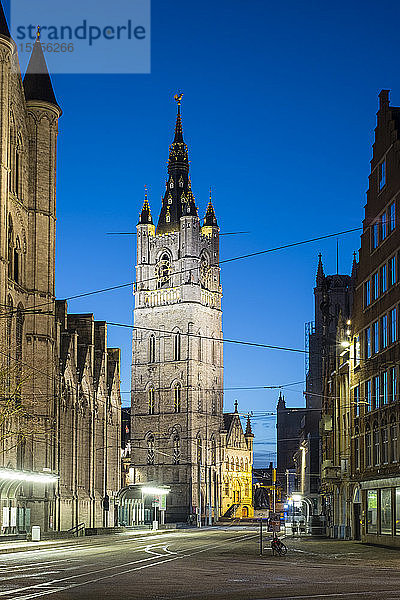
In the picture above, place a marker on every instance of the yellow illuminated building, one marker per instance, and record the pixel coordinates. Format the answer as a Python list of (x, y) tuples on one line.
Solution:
[(236, 467)]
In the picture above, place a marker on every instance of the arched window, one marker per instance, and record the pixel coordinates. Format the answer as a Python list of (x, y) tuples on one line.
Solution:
[(176, 449), (232, 464), (177, 398), (199, 449), (177, 346), (150, 450), (199, 399), (368, 447), (152, 348), (385, 443), (213, 452), (17, 261), (376, 445), (163, 271), (10, 247), (151, 401)]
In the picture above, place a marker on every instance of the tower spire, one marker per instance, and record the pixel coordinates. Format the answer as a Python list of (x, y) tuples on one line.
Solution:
[(4, 30), (145, 216), (37, 82), (210, 219), (178, 200), (320, 270), (248, 426)]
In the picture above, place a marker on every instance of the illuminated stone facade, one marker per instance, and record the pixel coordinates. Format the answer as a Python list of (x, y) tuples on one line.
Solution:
[(57, 375), (236, 468)]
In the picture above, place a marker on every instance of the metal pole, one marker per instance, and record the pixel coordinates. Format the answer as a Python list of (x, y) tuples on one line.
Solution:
[(261, 537)]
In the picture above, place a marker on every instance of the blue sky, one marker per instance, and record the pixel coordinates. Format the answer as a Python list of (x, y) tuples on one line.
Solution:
[(278, 112)]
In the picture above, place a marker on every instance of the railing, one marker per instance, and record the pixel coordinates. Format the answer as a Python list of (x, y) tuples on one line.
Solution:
[(160, 297), (78, 529)]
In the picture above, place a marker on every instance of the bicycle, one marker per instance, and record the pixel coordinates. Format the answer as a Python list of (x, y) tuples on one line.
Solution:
[(278, 546)]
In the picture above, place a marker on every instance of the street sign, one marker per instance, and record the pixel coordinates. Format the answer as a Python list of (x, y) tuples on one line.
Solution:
[(163, 502)]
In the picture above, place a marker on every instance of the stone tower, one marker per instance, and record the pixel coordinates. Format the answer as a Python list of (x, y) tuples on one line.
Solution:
[(177, 371)]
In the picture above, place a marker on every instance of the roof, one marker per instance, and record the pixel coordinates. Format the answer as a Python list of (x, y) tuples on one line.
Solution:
[(37, 81), (3, 23)]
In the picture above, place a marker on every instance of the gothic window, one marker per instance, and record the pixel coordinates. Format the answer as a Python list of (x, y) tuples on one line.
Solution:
[(237, 464), (10, 247), (150, 450), (213, 452), (151, 401), (163, 271), (385, 444), (177, 398), (232, 464), (241, 464), (17, 261), (199, 400), (368, 448), (152, 349), (176, 449), (376, 445), (199, 449), (181, 181), (171, 185), (177, 346)]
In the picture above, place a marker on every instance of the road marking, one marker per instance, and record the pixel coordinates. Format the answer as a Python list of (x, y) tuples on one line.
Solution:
[(42, 592)]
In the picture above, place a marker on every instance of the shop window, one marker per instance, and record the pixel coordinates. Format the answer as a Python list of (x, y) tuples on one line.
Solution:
[(386, 511), (372, 510), (397, 509)]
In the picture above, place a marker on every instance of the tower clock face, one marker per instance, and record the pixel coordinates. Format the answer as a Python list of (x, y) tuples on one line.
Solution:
[(163, 271)]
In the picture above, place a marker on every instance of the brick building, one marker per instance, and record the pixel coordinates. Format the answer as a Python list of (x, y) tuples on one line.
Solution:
[(375, 358)]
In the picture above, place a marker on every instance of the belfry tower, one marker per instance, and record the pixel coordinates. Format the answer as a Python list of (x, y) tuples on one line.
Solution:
[(177, 371)]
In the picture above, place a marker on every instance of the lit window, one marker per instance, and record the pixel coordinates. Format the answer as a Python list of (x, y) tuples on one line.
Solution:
[(375, 335), (357, 401), (393, 325), (392, 216), (393, 384), (368, 395), (375, 398), (382, 174), (356, 350), (375, 286), (392, 271), (375, 236), (367, 293), (384, 394), (151, 401), (372, 511), (177, 398), (383, 226), (384, 279), (384, 323), (368, 342)]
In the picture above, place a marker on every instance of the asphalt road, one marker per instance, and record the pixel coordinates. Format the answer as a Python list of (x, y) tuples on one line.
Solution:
[(217, 564)]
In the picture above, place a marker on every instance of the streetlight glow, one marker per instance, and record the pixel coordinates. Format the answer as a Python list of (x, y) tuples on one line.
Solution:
[(155, 491), (10, 475)]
